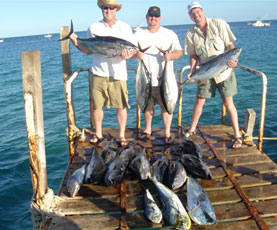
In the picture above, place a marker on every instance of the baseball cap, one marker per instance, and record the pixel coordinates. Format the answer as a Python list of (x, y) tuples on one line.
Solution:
[(194, 5), (154, 11)]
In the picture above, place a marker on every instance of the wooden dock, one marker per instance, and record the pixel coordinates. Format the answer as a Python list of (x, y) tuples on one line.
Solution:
[(121, 207)]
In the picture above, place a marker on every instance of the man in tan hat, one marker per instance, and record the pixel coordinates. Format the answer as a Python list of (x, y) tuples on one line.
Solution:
[(165, 39), (207, 39), (109, 74)]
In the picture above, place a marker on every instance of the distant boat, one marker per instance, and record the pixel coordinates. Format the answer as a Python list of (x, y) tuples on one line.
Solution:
[(48, 35), (259, 23), (1, 40)]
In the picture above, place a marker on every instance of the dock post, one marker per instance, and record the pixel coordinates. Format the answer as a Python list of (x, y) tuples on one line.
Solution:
[(65, 50), (32, 92)]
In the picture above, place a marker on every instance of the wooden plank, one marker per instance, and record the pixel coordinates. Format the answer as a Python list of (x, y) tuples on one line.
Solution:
[(103, 222)]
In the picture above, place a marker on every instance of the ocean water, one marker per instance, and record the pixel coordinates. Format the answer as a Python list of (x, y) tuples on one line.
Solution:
[(258, 52)]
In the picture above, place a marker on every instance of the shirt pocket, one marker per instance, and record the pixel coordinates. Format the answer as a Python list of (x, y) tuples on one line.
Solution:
[(217, 44)]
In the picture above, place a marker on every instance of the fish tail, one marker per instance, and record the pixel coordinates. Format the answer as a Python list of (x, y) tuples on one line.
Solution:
[(71, 32), (142, 50), (165, 51)]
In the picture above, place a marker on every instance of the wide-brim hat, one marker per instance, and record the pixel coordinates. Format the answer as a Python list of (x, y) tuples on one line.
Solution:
[(110, 3)]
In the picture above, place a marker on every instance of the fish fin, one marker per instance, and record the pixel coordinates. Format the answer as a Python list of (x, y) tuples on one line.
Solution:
[(71, 32)]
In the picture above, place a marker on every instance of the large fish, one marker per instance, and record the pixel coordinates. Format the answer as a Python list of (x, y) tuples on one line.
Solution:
[(192, 148), (104, 45), (169, 87), (199, 206), (76, 180), (96, 168), (108, 154), (141, 166), (176, 175), (127, 155), (174, 210), (151, 209), (160, 166), (116, 172), (143, 86), (215, 66)]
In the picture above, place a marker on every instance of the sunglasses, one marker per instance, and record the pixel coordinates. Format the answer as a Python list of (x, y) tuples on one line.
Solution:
[(108, 7), (155, 16)]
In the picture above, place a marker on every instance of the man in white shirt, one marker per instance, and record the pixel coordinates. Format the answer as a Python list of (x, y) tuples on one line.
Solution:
[(109, 74), (154, 37), (208, 38)]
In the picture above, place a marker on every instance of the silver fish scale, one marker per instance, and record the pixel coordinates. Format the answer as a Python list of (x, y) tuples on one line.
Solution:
[(143, 86)]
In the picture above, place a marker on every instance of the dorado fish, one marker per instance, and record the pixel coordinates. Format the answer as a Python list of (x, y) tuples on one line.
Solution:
[(76, 180), (215, 66), (169, 87), (151, 209), (199, 206), (174, 210), (96, 168), (141, 166), (104, 45), (143, 86)]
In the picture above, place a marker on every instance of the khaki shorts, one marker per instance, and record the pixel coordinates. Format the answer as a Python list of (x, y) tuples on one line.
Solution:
[(226, 88), (155, 98), (109, 92)]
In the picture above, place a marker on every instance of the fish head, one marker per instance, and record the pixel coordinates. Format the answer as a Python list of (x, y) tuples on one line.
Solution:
[(236, 52)]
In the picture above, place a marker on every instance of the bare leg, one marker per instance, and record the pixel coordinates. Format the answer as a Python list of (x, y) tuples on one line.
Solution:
[(167, 119), (197, 111), (121, 116), (148, 118), (98, 116), (233, 115)]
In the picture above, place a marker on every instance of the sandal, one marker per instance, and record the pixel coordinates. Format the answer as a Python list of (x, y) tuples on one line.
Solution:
[(122, 142), (168, 140), (189, 133), (95, 139), (237, 143), (145, 135)]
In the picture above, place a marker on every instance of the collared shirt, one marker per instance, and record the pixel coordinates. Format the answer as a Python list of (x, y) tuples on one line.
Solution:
[(110, 67), (154, 59), (218, 37)]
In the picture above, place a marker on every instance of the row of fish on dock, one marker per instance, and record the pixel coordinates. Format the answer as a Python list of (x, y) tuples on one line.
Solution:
[(168, 173), (111, 46)]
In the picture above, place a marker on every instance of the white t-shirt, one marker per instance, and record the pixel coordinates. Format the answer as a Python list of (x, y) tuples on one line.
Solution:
[(110, 67), (153, 58)]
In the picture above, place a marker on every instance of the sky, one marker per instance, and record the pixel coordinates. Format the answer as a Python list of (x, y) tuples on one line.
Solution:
[(35, 17)]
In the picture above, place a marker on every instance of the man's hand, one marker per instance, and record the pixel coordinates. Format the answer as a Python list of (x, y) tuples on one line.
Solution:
[(233, 63), (126, 54), (73, 38)]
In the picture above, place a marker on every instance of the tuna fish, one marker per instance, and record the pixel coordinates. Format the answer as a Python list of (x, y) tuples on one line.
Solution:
[(176, 175), (151, 209), (141, 166), (116, 172), (76, 180), (96, 168), (169, 87), (127, 155), (192, 148), (160, 166), (215, 66), (143, 86), (199, 206), (104, 45), (174, 210)]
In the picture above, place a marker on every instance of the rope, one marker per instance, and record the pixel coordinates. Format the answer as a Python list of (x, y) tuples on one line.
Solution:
[(252, 209)]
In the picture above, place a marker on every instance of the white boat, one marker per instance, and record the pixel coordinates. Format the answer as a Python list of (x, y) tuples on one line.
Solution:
[(48, 35), (1, 40), (259, 23)]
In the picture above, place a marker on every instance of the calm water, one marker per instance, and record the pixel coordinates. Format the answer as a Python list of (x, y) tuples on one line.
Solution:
[(259, 52)]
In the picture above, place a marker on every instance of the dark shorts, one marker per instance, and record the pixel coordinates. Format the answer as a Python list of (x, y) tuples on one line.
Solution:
[(109, 92), (226, 88)]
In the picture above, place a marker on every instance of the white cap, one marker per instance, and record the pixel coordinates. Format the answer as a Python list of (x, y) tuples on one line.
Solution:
[(194, 5)]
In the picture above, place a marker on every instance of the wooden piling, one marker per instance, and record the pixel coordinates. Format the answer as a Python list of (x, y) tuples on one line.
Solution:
[(32, 92)]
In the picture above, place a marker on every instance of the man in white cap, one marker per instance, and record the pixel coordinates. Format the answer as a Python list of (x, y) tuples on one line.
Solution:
[(165, 39), (109, 74), (207, 39)]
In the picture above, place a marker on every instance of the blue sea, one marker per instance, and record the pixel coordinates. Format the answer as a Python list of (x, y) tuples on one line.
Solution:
[(259, 51)]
